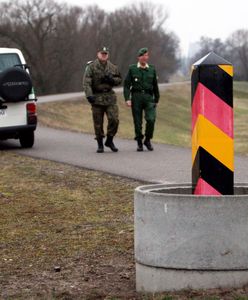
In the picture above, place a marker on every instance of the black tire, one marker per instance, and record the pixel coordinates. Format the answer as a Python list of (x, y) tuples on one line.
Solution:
[(15, 84), (27, 139)]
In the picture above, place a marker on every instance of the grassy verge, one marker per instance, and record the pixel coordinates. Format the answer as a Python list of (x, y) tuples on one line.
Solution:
[(173, 116), (53, 215), (240, 117), (67, 233)]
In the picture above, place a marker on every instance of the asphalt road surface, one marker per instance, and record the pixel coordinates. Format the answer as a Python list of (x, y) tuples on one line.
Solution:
[(165, 164)]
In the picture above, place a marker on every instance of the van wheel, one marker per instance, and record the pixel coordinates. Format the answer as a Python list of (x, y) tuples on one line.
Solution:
[(27, 139)]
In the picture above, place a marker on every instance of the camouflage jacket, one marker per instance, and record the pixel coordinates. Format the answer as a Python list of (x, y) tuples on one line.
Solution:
[(95, 83)]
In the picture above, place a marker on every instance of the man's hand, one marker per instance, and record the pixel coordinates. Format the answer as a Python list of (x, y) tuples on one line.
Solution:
[(91, 99), (128, 103), (108, 78)]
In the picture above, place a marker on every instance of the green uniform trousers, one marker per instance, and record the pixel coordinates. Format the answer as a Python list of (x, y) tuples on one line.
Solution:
[(143, 102), (111, 111)]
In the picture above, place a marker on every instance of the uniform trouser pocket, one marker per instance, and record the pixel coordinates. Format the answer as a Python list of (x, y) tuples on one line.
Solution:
[(150, 117), (138, 106), (98, 118), (112, 113), (137, 112)]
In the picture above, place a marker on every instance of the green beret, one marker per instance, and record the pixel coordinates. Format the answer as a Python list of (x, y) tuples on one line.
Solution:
[(142, 51)]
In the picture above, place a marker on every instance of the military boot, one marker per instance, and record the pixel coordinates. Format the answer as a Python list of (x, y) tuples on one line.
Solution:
[(109, 143), (100, 148), (148, 144), (140, 145)]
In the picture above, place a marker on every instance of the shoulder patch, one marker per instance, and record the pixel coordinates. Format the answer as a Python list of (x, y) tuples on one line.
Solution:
[(89, 62), (88, 65)]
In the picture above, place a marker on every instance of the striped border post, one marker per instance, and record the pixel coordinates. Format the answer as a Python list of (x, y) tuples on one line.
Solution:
[(212, 126)]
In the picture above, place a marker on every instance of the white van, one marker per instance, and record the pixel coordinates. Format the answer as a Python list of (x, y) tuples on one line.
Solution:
[(18, 117)]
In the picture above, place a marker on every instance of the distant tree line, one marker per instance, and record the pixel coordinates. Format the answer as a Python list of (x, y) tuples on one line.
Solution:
[(58, 40), (234, 49)]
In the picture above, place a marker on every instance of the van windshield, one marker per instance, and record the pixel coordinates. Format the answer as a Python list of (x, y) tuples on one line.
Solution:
[(8, 60)]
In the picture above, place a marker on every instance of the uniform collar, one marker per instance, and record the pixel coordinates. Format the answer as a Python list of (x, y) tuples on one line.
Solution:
[(139, 66), (100, 63)]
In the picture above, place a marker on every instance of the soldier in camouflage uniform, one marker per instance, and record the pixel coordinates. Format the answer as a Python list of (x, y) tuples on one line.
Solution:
[(99, 79), (141, 93)]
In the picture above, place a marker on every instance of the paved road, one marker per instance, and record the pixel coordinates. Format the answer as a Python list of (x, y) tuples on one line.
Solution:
[(165, 164)]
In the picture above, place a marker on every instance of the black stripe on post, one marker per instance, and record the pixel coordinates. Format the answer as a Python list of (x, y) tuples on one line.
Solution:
[(210, 75), (211, 170), (207, 71)]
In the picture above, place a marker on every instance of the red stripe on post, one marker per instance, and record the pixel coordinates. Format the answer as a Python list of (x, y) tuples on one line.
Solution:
[(213, 108), (203, 188)]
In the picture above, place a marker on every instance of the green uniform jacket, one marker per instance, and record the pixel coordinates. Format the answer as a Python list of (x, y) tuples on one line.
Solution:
[(93, 84), (139, 80)]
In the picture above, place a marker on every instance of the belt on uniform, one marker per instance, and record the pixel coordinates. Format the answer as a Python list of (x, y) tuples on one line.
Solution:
[(102, 91), (143, 91)]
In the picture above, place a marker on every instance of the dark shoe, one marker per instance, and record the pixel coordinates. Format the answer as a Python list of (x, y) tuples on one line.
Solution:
[(109, 143), (100, 148), (140, 146), (148, 144)]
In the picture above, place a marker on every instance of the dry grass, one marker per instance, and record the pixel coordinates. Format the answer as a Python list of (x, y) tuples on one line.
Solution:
[(240, 117), (56, 215), (67, 233)]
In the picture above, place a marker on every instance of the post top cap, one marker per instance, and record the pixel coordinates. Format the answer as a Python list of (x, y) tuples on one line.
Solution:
[(212, 59)]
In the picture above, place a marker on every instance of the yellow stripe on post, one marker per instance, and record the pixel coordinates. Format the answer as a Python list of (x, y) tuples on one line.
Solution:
[(214, 141), (227, 68)]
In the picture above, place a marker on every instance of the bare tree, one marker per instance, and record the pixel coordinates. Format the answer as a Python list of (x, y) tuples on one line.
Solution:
[(237, 45), (207, 45), (142, 25), (234, 49), (58, 39), (29, 26)]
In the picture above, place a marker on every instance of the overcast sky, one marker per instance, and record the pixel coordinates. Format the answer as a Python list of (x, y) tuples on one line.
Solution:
[(190, 19)]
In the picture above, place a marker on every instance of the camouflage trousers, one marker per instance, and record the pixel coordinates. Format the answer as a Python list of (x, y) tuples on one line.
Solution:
[(112, 114)]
